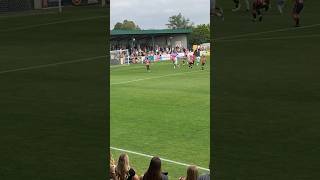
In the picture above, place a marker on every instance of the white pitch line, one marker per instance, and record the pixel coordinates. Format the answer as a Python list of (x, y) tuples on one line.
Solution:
[(267, 32), (50, 65), (117, 69), (136, 66), (51, 23), (118, 66), (270, 38), (163, 159), (25, 14), (156, 77)]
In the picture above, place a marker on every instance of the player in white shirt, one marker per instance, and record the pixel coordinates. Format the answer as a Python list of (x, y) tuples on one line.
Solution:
[(280, 5)]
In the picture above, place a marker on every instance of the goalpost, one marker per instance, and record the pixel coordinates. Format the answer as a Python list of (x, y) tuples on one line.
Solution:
[(49, 4), (119, 57), (59, 4), (60, 8)]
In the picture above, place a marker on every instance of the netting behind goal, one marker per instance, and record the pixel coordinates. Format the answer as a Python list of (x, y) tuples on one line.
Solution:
[(119, 57), (15, 5), (23, 5)]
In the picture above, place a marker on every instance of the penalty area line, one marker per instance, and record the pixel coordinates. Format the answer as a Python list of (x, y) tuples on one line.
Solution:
[(267, 32), (163, 159), (270, 38), (51, 64), (8, 15), (51, 23), (156, 77)]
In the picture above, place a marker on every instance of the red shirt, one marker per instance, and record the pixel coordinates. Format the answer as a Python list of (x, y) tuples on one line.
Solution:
[(299, 1)]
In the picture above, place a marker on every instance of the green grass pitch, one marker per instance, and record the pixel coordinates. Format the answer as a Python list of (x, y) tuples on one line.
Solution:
[(266, 95), (53, 118), (164, 113)]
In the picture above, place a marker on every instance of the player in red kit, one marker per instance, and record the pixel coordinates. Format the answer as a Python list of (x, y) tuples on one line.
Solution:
[(297, 8), (147, 62), (257, 6)]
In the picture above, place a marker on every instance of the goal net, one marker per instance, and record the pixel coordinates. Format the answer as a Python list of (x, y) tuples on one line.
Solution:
[(119, 57), (15, 5), (59, 3), (24, 5)]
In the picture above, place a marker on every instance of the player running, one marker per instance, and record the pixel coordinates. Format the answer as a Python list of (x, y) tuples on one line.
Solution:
[(197, 54), (190, 59), (203, 61), (147, 62), (256, 8), (238, 5), (218, 11), (174, 59), (176, 63), (280, 5), (185, 57), (297, 8)]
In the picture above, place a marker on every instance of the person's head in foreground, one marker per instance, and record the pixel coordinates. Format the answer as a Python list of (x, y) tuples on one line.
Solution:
[(123, 170), (154, 170), (122, 167), (192, 173)]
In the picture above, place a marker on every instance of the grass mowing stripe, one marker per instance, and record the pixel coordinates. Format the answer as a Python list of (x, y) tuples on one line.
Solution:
[(50, 65), (51, 23), (267, 32), (142, 79), (163, 159), (272, 38)]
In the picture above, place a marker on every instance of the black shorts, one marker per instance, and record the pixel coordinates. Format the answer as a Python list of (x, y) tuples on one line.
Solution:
[(297, 8)]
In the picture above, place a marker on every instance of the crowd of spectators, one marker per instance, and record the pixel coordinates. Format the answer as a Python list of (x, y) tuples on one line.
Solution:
[(121, 170), (138, 55)]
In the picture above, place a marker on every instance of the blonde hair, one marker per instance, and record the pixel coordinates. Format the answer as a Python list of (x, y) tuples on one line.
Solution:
[(111, 160), (192, 173), (123, 167)]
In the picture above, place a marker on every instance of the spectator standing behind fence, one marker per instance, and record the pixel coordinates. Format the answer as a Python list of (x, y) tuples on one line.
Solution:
[(123, 170), (154, 171)]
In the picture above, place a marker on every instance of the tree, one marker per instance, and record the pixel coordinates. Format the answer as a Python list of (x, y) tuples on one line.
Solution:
[(200, 34), (179, 22), (126, 25)]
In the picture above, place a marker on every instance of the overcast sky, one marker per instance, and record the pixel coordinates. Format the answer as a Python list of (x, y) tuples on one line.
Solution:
[(154, 14)]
